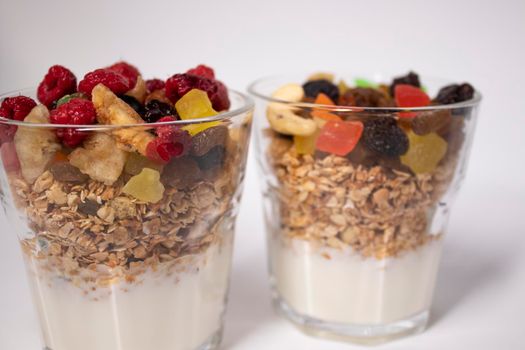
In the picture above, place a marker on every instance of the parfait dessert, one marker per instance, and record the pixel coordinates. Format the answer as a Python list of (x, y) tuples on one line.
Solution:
[(124, 192), (358, 179)]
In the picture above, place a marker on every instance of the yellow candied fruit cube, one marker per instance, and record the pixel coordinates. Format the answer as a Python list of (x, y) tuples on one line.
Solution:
[(195, 104), (424, 152), (194, 129), (305, 144), (145, 186)]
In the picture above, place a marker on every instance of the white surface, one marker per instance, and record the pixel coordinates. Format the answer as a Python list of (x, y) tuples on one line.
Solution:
[(479, 299)]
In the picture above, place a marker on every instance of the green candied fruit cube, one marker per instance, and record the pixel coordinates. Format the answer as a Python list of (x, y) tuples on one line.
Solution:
[(364, 83)]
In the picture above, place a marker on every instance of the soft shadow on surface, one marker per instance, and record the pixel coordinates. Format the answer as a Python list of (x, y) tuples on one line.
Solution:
[(464, 269), (249, 303)]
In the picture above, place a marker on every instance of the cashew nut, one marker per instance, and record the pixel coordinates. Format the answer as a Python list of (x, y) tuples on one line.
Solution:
[(282, 117)]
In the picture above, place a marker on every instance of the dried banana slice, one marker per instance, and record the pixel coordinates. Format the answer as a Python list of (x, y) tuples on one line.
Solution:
[(111, 110), (282, 117), (140, 91), (99, 158), (35, 146)]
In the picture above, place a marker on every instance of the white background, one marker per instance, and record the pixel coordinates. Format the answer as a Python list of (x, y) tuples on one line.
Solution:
[(479, 301)]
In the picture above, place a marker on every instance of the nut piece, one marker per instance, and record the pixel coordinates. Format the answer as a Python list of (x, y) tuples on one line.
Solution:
[(112, 110), (99, 158), (282, 118), (35, 147)]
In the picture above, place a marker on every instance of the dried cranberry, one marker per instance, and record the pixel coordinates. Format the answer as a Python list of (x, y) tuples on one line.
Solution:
[(59, 81), (179, 84), (154, 84), (203, 71), (112, 80)]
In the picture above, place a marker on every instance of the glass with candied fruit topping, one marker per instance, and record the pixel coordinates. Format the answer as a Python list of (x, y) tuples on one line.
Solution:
[(358, 178), (124, 193)]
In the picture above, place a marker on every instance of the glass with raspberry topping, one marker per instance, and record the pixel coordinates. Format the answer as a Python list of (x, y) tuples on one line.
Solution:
[(124, 193), (359, 176)]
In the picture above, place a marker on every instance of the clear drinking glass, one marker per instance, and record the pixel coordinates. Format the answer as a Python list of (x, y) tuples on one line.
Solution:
[(108, 271), (354, 241)]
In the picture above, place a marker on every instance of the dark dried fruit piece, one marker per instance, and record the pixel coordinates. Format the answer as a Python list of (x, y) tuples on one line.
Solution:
[(205, 140), (382, 135), (181, 173), (454, 93), (133, 103), (429, 121), (89, 207), (154, 110), (410, 79), (214, 158), (315, 87), (366, 97), (65, 172)]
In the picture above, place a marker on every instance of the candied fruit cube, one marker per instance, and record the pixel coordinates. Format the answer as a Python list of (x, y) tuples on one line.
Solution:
[(305, 144), (339, 137), (424, 152), (136, 162), (145, 186), (195, 104), (364, 83)]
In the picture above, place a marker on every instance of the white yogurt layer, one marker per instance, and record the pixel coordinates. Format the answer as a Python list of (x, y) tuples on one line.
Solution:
[(347, 288), (162, 312)]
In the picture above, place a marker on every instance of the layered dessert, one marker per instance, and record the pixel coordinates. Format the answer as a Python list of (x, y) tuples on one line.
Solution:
[(358, 183), (124, 194)]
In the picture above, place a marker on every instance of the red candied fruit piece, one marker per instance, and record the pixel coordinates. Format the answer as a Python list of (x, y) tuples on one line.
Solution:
[(127, 71), (154, 84), (171, 142), (339, 137), (179, 84), (203, 71), (9, 157), (410, 96), (77, 111), (15, 108), (112, 80), (58, 82)]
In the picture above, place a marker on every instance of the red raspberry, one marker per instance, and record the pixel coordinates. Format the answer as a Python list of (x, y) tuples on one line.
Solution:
[(155, 84), (112, 80), (16, 108), (59, 81), (203, 71), (127, 71), (179, 84), (172, 141), (77, 111)]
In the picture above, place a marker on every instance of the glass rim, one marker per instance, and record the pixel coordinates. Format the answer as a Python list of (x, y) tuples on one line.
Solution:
[(253, 90), (247, 105)]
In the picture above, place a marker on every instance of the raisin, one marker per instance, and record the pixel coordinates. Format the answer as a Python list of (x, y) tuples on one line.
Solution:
[(365, 97), (65, 172), (426, 122), (214, 158), (205, 140), (89, 207), (383, 136), (315, 87), (133, 103), (454, 93), (410, 79), (154, 110)]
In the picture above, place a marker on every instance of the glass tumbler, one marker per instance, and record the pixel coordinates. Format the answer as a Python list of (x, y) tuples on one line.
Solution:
[(123, 252), (354, 240)]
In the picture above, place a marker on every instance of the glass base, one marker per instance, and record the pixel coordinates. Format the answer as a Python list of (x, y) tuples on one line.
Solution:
[(212, 343), (359, 334)]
